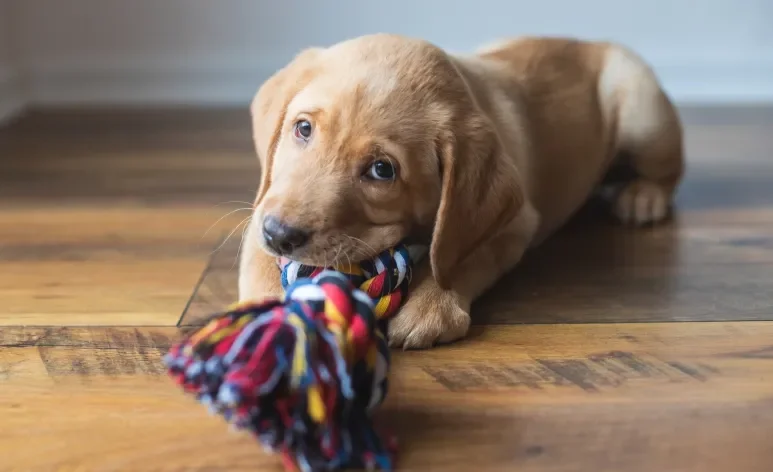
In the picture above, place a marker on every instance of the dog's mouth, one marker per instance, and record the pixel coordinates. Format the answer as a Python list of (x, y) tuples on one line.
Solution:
[(332, 250)]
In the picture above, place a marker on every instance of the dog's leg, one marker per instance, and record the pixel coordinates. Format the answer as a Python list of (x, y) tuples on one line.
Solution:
[(433, 315), (657, 162), (648, 132), (259, 275)]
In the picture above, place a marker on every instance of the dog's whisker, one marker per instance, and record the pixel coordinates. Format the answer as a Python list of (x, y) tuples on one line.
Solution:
[(322, 254), (236, 201), (373, 252), (345, 253), (359, 254), (346, 256), (241, 241), (338, 253), (337, 248), (366, 252), (230, 234), (221, 219)]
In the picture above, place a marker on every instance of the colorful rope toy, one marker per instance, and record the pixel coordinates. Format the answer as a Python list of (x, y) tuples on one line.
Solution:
[(304, 373)]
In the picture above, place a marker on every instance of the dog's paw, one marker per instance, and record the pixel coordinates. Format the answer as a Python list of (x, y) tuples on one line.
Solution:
[(641, 202), (429, 317)]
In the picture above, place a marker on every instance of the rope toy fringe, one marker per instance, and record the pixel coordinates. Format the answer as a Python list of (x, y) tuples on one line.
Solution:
[(304, 373)]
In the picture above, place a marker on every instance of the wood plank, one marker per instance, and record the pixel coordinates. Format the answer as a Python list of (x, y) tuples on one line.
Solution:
[(686, 396), (97, 293), (71, 163), (141, 186), (108, 337), (103, 265), (140, 157), (707, 266), (79, 355), (114, 226), (102, 216), (703, 266), (639, 397), (608, 437), (596, 363)]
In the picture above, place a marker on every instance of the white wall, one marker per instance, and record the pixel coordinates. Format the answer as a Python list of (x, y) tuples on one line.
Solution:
[(220, 51), (11, 102)]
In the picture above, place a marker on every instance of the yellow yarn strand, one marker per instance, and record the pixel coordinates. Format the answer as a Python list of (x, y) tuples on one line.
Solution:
[(213, 335), (316, 405), (299, 357), (350, 269), (382, 306), (333, 313)]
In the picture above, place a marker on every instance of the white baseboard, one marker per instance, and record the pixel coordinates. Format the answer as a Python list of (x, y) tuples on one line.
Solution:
[(229, 82), (12, 101)]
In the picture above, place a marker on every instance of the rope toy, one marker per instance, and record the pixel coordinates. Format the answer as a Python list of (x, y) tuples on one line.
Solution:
[(304, 373)]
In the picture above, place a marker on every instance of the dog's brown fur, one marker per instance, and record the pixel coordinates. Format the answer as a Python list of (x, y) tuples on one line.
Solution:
[(495, 151)]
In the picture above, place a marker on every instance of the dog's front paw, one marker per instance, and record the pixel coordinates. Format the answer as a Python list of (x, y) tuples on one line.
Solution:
[(429, 317)]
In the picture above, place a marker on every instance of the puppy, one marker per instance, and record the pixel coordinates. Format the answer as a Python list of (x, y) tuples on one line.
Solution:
[(384, 138)]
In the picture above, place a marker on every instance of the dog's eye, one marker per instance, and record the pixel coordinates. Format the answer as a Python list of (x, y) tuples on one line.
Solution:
[(381, 170), (303, 130)]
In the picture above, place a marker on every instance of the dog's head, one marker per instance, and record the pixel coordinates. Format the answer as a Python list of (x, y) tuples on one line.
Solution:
[(373, 141)]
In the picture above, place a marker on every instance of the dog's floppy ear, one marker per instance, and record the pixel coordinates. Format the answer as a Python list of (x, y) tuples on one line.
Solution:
[(481, 192), (268, 109)]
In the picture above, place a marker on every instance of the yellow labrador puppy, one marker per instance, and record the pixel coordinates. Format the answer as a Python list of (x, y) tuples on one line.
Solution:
[(385, 138)]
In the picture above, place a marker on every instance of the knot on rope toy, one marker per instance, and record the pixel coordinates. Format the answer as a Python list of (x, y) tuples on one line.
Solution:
[(305, 372)]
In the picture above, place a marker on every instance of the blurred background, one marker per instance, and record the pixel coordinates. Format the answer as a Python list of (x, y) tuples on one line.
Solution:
[(127, 176), (73, 52)]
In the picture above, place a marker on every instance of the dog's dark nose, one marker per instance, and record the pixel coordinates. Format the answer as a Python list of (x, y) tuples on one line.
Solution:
[(282, 238)]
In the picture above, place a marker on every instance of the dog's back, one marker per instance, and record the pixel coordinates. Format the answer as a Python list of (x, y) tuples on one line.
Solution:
[(581, 105)]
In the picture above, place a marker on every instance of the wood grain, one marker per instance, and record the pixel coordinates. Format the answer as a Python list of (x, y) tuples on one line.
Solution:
[(700, 267), (561, 397), (607, 350), (98, 265), (146, 158)]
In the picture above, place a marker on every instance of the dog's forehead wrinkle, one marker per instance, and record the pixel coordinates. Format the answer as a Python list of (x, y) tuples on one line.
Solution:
[(369, 101)]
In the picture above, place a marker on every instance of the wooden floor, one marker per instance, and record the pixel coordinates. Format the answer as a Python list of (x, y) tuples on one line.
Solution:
[(608, 349)]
